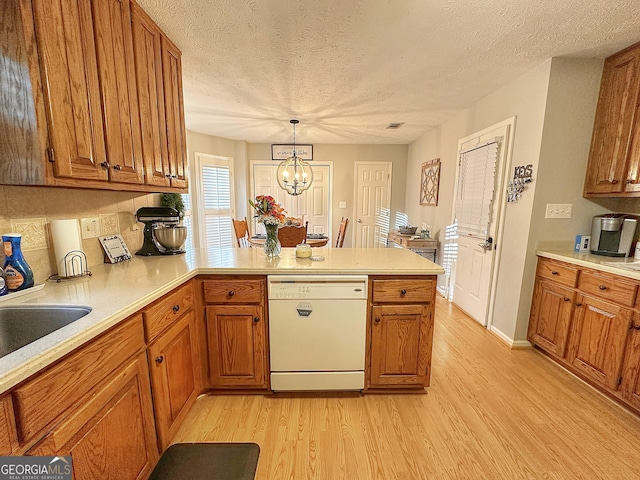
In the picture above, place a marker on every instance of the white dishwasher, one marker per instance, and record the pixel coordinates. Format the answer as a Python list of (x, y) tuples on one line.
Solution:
[(317, 330)]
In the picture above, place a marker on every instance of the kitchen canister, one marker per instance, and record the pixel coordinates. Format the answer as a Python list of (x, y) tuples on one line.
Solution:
[(18, 272), (67, 246)]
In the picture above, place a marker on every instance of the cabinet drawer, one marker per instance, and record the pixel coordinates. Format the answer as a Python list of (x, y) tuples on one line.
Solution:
[(234, 291), (53, 393), (166, 310), (558, 272), (403, 291), (614, 289)]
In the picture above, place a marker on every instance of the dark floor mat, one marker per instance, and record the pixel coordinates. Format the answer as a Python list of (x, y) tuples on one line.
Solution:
[(210, 461)]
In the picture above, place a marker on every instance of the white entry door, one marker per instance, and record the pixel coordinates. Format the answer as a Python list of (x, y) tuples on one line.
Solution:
[(373, 204), (477, 208), (313, 204)]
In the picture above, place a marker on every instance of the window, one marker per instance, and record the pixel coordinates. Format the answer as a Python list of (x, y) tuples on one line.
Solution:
[(213, 201)]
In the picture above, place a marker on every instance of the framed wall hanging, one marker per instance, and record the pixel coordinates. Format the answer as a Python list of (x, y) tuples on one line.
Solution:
[(430, 182), (282, 152)]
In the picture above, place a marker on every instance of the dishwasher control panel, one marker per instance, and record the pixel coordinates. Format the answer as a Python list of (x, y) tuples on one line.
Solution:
[(332, 287)]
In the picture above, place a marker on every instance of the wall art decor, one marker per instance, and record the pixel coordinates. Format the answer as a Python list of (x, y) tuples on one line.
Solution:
[(430, 182)]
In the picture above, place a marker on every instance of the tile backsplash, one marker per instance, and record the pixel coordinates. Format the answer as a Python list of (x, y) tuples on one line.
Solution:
[(29, 210)]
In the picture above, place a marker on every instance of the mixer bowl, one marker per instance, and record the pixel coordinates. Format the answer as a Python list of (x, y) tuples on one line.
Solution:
[(171, 238)]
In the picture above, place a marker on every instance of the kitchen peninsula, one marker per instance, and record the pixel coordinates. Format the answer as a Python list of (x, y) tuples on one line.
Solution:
[(152, 315)]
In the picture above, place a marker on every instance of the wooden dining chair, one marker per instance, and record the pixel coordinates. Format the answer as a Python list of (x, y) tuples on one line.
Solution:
[(291, 235), (241, 229), (342, 232)]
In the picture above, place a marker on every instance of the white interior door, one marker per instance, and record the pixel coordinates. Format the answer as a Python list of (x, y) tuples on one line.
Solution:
[(373, 204), (477, 213), (313, 203)]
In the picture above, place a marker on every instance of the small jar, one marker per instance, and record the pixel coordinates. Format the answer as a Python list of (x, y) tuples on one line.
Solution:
[(303, 250)]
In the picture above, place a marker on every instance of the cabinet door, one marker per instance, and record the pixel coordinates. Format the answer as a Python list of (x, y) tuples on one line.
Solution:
[(148, 61), (598, 340), (112, 20), (68, 58), (401, 337), (551, 313), (610, 144), (237, 346), (631, 373), (112, 435), (173, 359), (174, 111)]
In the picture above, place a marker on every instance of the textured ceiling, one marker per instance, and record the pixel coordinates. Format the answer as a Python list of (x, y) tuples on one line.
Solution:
[(347, 68)]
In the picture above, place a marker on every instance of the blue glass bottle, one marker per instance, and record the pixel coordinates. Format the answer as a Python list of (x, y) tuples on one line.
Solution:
[(19, 274), (3, 283)]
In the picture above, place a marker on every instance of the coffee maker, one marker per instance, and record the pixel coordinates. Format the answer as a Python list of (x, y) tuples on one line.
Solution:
[(157, 222), (613, 234)]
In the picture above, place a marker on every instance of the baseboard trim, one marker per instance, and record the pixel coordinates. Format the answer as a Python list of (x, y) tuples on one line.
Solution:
[(513, 344)]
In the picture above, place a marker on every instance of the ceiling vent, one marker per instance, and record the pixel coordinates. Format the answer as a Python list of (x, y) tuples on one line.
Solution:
[(394, 126)]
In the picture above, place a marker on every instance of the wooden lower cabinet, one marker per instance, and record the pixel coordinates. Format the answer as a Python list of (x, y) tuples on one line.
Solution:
[(551, 313), (598, 340), (631, 372), (237, 346), (173, 358), (112, 435), (8, 434), (401, 338)]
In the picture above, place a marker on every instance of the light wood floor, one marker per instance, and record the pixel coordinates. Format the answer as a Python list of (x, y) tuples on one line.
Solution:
[(490, 412)]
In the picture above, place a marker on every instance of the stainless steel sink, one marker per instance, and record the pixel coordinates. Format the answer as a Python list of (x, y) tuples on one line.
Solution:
[(20, 325)]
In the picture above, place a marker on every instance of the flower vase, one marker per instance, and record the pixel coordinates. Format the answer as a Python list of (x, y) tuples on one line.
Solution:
[(272, 245)]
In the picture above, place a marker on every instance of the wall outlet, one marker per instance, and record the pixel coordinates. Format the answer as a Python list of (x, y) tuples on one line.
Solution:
[(90, 227), (558, 210), (343, 204)]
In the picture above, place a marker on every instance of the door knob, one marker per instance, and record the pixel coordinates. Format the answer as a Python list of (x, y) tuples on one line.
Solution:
[(359, 220)]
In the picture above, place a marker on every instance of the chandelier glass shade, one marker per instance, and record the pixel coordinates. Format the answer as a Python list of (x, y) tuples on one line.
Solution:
[(294, 174)]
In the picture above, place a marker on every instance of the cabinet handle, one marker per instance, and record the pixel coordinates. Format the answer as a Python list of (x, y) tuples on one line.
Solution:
[(613, 182), (602, 287), (553, 272), (566, 299), (578, 304), (630, 181), (635, 327), (104, 165), (174, 176), (377, 319), (256, 319), (403, 292), (117, 167), (160, 359), (175, 308), (231, 293), (168, 175)]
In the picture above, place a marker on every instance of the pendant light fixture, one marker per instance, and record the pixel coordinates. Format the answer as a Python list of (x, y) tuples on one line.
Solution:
[(294, 174)]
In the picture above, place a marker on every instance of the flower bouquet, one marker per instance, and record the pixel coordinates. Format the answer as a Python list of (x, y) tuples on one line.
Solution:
[(267, 211)]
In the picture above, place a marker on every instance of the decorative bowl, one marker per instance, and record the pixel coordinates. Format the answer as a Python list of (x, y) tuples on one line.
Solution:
[(171, 238), (407, 229)]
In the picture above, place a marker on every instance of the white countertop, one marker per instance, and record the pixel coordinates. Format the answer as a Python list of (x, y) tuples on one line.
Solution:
[(616, 265), (115, 292)]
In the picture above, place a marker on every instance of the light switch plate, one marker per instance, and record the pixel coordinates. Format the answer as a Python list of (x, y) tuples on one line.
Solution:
[(558, 210), (90, 227), (343, 204)]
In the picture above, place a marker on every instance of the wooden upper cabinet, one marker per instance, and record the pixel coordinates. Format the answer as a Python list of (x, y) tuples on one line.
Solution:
[(611, 167), (116, 69), (147, 46), (65, 37), (174, 111)]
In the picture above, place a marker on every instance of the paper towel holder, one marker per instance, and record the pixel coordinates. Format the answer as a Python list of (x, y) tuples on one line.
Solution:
[(73, 257)]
